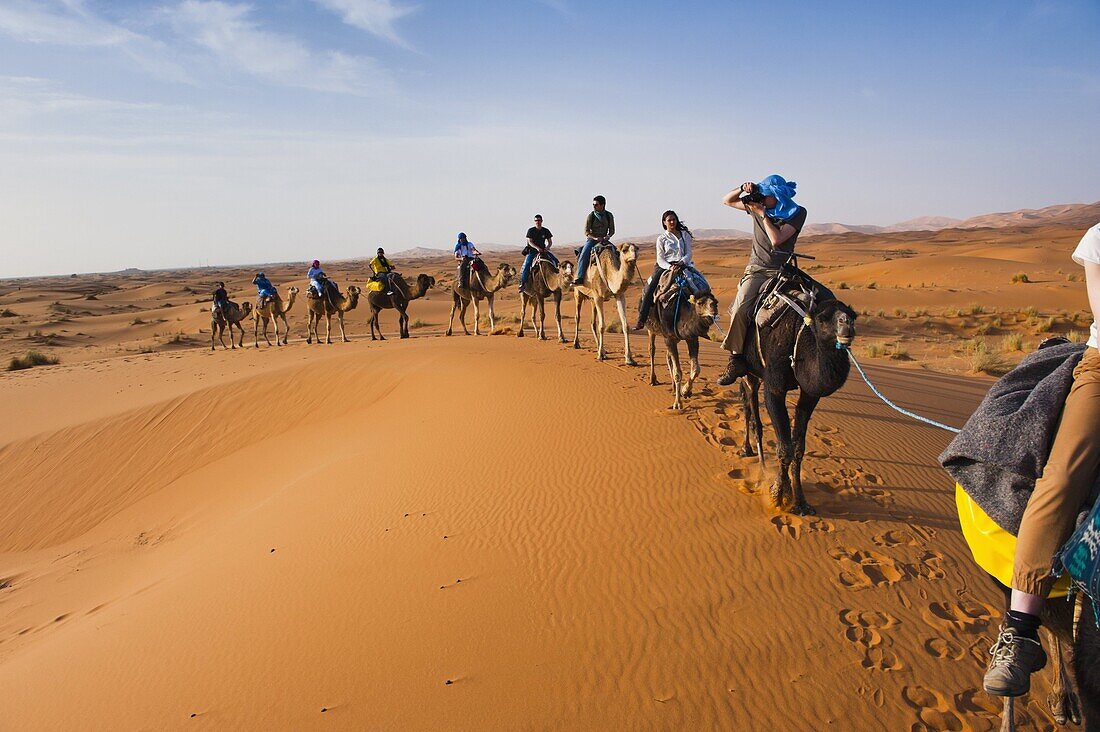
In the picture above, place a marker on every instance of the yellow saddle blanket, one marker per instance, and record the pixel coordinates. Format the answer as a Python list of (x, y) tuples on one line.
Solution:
[(376, 286), (993, 547)]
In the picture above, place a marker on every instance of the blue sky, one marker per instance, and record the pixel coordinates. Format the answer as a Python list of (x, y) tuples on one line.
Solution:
[(180, 132)]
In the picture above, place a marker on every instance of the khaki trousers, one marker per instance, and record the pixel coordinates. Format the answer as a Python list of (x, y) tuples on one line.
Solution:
[(1068, 478), (741, 310)]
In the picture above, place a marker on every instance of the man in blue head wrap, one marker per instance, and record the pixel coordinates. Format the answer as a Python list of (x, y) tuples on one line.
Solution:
[(776, 220), (466, 254)]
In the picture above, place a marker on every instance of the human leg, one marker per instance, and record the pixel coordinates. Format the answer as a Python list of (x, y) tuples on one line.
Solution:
[(740, 314), (526, 270), (582, 261), (647, 296)]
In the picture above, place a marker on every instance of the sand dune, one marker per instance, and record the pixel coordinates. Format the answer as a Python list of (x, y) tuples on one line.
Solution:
[(487, 533)]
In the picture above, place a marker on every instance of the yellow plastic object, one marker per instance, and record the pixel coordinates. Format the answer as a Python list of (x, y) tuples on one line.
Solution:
[(375, 286), (993, 547)]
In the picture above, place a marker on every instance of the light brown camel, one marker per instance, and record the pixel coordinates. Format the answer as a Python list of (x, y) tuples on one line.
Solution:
[(399, 300), (689, 321), (482, 287), (603, 282), (322, 307), (544, 282), (272, 309), (228, 318)]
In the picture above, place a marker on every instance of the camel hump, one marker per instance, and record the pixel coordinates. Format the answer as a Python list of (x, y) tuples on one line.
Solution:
[(789, 291)]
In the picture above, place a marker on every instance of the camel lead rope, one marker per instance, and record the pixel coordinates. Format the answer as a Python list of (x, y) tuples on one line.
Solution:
[(889, 403)]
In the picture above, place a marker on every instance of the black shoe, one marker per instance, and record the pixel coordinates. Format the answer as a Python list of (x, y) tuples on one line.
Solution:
[(736, 368), (577, 282)]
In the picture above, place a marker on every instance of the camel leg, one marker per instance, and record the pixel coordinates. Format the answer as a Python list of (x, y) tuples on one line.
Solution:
[(310, 329), (286, 330), (477, 317), (652, 357), (340, 317), (620, 306), (328, 329), (776, 404), (523, 313), (747, 397), (454, 307), (213, 330), (541, 303), (403, 321), (1065, 706), (577, 321), (492, 314), (598, 326), (557, 315), (462, 314), (674, 370), (240, 340), (693, 363), (256, 332), (803, 410)]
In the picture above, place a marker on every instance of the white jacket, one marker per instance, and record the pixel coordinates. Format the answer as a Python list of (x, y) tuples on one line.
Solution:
[(672, 249)]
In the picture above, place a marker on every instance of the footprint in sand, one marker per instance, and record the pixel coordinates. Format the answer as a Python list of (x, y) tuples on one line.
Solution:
[(793, 526), (895, 537), (968, 616), (862, 568), (934, 711), (833, 442), (745, 483), (864, 629), (943, 648)]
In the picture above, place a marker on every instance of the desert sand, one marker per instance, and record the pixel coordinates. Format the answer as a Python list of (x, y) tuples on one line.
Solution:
[(494, 533)]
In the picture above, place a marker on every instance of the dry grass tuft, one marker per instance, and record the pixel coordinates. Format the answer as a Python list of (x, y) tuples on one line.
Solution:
[(1020, 277), (30, 359)]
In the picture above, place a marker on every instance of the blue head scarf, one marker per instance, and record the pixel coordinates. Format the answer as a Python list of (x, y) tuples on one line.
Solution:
[(783, 191), (461, 237)]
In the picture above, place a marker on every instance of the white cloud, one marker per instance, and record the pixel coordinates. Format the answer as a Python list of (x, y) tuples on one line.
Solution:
[(59, 22), (374, 16), (26, 95), (229, 32)]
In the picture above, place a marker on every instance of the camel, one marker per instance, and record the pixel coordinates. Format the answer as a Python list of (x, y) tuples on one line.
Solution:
[(228, 319), (399, 300), (481, 288), (272, 309), (325, 307), (604, 281), (818, 369), (693, 321), (543, 282)]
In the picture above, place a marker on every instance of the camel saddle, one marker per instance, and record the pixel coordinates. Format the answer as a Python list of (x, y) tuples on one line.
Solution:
[(676, 279), (602, 247), (789, 289)]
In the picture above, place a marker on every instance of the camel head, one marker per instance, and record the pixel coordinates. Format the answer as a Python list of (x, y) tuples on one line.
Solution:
[(566, 270), (629, 252), (835, 321), (292, 291), (706, 306), (425, 281), (507, 273), (246, 308), (353, 296)]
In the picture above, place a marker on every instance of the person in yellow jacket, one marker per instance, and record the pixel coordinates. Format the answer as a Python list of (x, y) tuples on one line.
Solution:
[(383, 270)]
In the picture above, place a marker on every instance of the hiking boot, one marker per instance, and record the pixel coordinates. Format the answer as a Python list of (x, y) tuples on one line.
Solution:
[(1015, 659), (736, 368)]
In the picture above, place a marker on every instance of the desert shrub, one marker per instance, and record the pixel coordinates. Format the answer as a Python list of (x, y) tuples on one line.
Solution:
[(1076, 336), (1012, 343), (137, 321), (1030, 311), (983, 360), (1046, 325), (898, 353), (30, 359), (983, 329), (90, 296), (843, 286), (899, 312), (418, 323), (977, 310), (1020, 277), (880, 313), (996, 322), (920, 313), (872, 285), (1074, 278), (875, 350), (8, 313)]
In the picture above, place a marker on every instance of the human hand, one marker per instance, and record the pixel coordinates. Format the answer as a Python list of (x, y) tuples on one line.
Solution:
[(747, 186), (756, 209)]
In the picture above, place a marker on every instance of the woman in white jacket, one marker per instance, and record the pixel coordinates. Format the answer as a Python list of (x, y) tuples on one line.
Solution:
[(673, 250)]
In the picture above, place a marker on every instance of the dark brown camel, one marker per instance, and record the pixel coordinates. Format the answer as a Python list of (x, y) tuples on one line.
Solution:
[(399, 300), (820, 367), (696, 316)]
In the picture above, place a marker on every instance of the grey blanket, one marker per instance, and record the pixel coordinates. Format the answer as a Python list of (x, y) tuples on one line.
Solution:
[(1003, 447)]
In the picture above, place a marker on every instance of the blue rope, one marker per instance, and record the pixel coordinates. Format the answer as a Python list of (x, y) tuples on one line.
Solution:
[(889, 403)]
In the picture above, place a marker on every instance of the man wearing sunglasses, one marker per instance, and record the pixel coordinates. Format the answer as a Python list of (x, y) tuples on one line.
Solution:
[(599, 227)]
